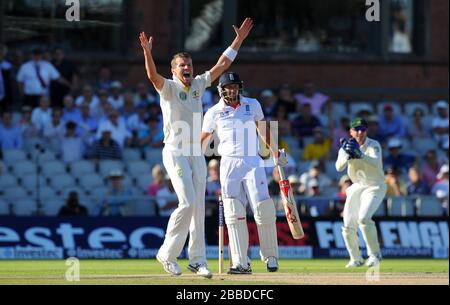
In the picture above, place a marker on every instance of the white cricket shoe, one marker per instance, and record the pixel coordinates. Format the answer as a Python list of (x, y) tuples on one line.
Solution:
[(272, 264), (354, 264), (373, 260), (200, 269), (170, 267)]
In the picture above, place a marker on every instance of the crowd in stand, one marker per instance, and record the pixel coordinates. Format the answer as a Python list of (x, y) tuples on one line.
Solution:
[(45, 101)]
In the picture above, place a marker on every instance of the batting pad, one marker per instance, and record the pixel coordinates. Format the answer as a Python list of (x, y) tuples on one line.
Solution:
[(235, 218), (351, 243), (369, 233), (265, 219)]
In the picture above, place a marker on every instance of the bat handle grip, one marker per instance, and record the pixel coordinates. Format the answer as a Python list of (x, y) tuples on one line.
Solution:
[(281, 172)]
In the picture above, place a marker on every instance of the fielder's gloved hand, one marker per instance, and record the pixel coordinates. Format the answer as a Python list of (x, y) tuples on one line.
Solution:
[(281, 159), (351, 147)]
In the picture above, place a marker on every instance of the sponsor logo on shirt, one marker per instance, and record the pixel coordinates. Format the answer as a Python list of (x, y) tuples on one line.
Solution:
[(196, 95), (183, 95), (247, 110)]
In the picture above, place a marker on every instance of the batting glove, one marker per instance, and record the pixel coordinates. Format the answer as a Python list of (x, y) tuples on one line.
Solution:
[(281, 159)]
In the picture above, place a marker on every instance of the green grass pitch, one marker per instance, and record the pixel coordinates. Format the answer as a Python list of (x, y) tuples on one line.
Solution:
[(149, 272)]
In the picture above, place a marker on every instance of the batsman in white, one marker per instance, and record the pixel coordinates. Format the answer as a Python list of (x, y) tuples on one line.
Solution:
[(181, 104), (363, 157), (236, 120)]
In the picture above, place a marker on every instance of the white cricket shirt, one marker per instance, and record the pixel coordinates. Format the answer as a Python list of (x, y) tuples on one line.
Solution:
[(235, 128), (369, 169), (182, 111)]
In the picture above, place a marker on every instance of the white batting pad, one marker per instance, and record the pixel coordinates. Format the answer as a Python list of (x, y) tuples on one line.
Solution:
[(235, 218), (369, 232), (265, 218), (351, 243)]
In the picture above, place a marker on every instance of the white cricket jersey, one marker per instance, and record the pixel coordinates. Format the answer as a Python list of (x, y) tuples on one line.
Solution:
[(369, 169), (235, 128), (182, 110)]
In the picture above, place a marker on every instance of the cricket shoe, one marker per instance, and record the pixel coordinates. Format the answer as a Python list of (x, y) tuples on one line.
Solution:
[(240, 270), (373, 260), (272, 264), (354, 264), (200, 269), (170, 267)]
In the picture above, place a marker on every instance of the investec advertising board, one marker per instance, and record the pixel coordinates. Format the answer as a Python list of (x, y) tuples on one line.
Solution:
[(141, 237)]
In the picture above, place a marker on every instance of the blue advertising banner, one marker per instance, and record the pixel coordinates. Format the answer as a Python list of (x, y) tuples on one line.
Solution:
[(141, 237)]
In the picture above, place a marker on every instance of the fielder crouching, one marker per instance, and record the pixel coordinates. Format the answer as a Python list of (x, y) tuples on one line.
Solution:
[(236, 120), (363, 157)]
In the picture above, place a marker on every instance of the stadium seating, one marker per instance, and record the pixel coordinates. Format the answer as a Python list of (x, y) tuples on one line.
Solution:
[(61, 182), (153, 156), (29, 182), (143, 182), (143, 207), (401, 206), (411, 106), (131, 154), (81, 168), (91, 182), (106, 166), (52, 168), (356, 107), (24, 168), (137, 168), (4, 207), (430, 206), (395, 106), (51, 207), (24, 207), (13, 156), (7, 181)]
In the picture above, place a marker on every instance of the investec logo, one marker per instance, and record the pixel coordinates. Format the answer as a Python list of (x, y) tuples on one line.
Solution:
[(42, 242)]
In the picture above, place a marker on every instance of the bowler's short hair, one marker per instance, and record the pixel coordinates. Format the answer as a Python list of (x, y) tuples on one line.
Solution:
[(179, 55)]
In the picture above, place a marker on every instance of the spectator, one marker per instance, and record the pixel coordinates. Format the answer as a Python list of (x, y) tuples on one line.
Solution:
[(116, 98), (151, 136), (55, 129), (269, 102), (441, 188), (128, 109), (431, 168), (101, 112), (117, 125), (440, 123), (106, 148), (315, 203), (34, 79), (304, 124), (73, 207), (391, 125), (167, 199), (10, 135), (320, 103), (274, 184), (68, 71), (341, 132), (6, 83), (417, 129), (104, 79), (396, 158), (373, 130), (138, 120), (294, 181), (88, 124), (42, 114), (213, 187), (415, 185), (28, 129), (118, 196), (71, 144), (339, 199), (395, 186), (314, 172), (143, 96), (320, 148), (158, 180), (286, 99), (70, 112), (89, 98)]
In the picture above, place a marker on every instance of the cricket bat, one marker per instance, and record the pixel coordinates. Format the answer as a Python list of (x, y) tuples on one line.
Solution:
[(290, 206)]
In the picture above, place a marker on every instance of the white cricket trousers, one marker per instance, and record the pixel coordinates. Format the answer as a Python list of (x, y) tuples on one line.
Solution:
[(188, 176), (361, 204)]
